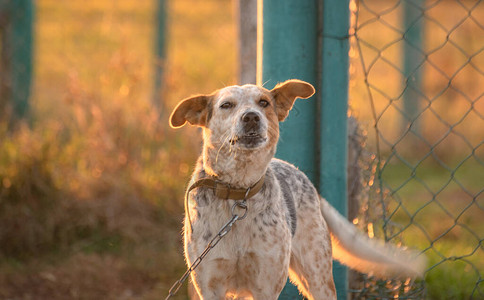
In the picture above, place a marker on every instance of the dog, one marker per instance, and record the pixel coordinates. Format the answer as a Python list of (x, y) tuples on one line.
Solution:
[(287, 229)]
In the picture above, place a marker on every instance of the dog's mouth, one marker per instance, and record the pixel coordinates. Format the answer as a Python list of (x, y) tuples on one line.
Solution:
[(249, 140)]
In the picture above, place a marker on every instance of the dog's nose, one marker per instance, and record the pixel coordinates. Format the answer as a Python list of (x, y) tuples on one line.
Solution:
[(250, 118)]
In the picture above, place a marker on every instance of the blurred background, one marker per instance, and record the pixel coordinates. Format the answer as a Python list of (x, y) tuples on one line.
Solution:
[(92, 177)]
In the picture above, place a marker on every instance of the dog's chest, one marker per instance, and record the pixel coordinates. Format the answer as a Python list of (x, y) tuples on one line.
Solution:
[(263, 231)]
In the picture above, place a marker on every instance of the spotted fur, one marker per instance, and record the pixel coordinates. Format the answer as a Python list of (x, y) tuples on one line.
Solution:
[(287, 228)]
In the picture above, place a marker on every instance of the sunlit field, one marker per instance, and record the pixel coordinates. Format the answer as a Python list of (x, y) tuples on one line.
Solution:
[(91, 193)]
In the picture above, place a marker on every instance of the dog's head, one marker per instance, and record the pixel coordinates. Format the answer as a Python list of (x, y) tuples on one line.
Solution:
[(242, 117)]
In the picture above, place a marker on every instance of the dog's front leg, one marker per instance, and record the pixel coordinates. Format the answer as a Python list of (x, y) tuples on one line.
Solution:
[(263, 271), (220, 278), (212, 280), (270, 288)]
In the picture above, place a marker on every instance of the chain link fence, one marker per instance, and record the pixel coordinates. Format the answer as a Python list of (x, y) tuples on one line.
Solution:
[(417, 84)]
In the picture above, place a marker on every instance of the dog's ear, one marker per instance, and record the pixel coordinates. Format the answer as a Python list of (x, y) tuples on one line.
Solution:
[(287, 92), (193, 110)]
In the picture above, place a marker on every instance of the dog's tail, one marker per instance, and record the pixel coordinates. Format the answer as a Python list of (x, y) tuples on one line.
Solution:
[(365, 255)]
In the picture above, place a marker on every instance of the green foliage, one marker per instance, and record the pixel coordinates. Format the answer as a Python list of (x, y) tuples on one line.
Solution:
[(453, 279)]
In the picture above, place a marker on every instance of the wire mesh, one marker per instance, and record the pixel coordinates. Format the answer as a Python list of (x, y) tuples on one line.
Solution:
[(417, 76)]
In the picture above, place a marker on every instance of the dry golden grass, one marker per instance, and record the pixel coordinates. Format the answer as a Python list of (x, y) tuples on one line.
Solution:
[(92, 194)]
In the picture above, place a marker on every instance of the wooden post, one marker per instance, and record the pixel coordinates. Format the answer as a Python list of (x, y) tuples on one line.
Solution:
[(247, 40)]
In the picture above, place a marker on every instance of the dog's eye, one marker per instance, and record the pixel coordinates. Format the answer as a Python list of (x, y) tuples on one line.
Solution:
[(227, 105), (263, 103)]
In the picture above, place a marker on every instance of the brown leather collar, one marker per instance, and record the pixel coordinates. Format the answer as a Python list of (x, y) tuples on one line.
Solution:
[(225, 191)]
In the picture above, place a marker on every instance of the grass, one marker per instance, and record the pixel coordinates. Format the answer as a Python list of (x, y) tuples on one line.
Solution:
[(446, 224), (91, 194)]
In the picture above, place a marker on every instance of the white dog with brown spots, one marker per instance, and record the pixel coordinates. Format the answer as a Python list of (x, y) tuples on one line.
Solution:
[(289, 229)]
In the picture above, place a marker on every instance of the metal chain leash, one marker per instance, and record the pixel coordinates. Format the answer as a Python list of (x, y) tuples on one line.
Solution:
[(222, 232)]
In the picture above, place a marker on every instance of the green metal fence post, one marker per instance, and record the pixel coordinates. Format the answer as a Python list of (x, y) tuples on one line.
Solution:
[(160, 53), (17, 54), (4, 59), (412, 61), (333, 123), (289, 50)]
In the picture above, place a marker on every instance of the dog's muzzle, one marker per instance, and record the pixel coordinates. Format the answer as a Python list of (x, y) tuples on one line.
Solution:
[(250, 135)]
